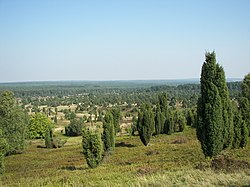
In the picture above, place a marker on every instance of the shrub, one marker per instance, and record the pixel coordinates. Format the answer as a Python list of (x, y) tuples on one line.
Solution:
[(92, 147), (227, 163), (74, 128), (70, 115), (49, 138), (51, 141), (38, 126), (179, 121)]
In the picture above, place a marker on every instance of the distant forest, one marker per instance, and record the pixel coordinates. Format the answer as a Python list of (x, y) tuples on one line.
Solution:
[(110, 92)]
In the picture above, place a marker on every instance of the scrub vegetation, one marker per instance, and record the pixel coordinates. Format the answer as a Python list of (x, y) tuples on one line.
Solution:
[(134, 133)]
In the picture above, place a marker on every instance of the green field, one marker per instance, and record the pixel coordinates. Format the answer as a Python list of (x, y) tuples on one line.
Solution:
[(163, 163)]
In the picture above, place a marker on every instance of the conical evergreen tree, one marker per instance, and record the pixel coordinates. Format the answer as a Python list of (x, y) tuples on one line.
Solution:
[(169, 123), (245, 101), (92, 147), (210, 125), (240, 129), (159, 120), (164, 116), (145, 124), (163, 102), (108, 133), (220, 83)]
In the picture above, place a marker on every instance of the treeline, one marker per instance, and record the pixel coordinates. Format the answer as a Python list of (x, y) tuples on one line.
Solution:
[(53, 96)]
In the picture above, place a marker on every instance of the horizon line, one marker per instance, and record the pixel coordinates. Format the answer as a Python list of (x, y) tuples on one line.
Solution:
[(110, 80)]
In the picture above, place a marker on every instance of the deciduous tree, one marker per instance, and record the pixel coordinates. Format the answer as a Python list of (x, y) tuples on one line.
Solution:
[(38, 126), (13, 123)]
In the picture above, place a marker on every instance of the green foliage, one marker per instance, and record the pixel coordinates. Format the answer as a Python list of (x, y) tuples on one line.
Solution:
[(38, 126), (55, 120), (245, 86), (75, 127), (163, 102), (159, 120), (134, 126), (92, 147), (191, 117), (69, 115), (49, 138), (108, 133), (245, 133), (145, 124), (227, 115), (13, 123), (3, 150), (179, 121), (245, 101), (211, 116), (116, 112), (240, 129), (169, 123), (133, 164)]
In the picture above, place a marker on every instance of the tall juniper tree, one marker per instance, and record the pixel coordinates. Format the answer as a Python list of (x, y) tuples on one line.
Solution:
[(145, 123), (166, 114), (240, 129), (245, 101), (215, 121), (159, 120), (227, 113), (108, 133)]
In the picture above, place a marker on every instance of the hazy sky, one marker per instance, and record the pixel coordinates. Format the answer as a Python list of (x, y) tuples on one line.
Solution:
[(121, 39)]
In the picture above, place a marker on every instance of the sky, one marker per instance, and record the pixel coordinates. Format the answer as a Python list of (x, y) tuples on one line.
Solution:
[(53, 40)]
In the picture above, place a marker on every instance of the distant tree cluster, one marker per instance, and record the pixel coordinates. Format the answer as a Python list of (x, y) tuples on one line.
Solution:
[(164, 119)]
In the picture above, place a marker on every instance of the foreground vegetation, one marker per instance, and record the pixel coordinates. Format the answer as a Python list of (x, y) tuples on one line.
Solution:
[(168, 160)]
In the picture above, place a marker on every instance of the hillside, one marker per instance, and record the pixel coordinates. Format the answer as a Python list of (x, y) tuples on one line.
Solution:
[(170, 160)]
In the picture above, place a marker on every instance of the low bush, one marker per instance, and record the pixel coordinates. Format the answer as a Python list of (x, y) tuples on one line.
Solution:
[(92, 147), (74, 128)]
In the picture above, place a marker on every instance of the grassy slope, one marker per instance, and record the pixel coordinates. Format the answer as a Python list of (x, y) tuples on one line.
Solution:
[(160, 164)]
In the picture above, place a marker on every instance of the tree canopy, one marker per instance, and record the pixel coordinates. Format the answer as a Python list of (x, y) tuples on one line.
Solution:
[(13, 122)]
